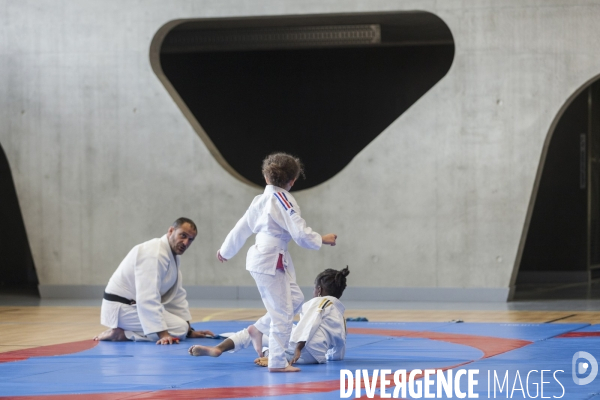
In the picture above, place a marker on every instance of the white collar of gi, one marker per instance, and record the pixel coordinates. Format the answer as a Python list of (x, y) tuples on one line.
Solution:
[(273, 189), (336, 303), (172, 258)]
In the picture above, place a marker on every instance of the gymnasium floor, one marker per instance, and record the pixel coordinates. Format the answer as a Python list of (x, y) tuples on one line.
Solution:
[(47, 352)]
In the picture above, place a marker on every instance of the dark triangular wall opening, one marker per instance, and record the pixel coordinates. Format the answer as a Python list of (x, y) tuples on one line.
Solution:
[(560, 257), (17, 271), (321, 103)]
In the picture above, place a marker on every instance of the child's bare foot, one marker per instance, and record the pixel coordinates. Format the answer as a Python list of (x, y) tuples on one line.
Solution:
[(289, 368), (113, 335), (262, 361), (198, 350), (256, 337)]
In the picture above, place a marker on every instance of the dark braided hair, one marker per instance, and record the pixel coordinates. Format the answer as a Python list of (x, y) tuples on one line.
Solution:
[(281, 168), (333, 281)]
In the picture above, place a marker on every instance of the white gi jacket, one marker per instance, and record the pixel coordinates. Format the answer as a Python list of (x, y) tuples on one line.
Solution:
[(150, 275), (323, 327), (275, 217)]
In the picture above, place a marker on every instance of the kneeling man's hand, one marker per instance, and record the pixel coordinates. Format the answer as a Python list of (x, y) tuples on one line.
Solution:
[(165, 338), (200, 334)]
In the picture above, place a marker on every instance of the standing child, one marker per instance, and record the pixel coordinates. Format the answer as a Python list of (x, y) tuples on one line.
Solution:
[(275, 218), (319, 336)]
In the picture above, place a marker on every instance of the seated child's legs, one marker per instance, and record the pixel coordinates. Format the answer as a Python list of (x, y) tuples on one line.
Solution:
[(241, 340)]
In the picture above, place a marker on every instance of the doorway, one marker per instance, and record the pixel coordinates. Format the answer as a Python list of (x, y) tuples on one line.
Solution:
[(17, 271), (561, 257)]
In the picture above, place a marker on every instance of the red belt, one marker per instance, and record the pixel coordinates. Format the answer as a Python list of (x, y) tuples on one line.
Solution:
[(280, 262)]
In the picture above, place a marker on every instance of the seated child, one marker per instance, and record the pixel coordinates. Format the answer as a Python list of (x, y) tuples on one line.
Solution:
[(319, 336)]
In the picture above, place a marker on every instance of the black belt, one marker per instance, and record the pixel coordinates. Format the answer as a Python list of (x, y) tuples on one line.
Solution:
[(114, 297)]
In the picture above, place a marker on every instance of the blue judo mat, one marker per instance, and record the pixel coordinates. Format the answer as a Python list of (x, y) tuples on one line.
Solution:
[(126, 369)]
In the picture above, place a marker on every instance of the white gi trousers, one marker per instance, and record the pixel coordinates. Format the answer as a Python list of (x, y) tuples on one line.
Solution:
[(129, 320), (282, 298), (242, 339)]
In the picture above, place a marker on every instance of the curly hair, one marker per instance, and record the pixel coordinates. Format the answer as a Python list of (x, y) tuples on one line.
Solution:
[(281, 168), (333, 281)]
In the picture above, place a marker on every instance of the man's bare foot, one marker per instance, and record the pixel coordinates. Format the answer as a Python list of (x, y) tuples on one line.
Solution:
[(262, 361), (198, 350), (289, 368), (256, 337), (112, 335)]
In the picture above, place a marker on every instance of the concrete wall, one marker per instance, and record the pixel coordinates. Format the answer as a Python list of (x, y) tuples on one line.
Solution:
[(103, 159)]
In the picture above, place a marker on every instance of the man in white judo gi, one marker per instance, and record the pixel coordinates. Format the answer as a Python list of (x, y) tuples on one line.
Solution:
[(144, 299)]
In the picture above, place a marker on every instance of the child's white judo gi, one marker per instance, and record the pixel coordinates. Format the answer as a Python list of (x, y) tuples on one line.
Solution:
[(321, 326), (275, 218)]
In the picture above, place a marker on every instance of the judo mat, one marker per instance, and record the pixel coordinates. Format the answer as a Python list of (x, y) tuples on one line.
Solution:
[(507, 353)]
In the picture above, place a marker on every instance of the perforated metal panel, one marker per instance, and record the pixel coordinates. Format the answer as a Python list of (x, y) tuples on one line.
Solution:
[(271, 38)]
